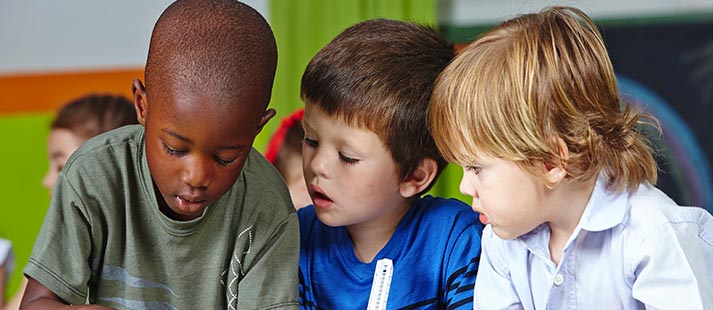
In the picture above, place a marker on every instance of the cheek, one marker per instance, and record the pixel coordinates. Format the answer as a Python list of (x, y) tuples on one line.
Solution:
[(231, 175), (163, 167)]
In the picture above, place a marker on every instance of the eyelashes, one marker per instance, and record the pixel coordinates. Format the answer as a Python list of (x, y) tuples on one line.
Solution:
[(179, 153), (474, 169), (343, 158)]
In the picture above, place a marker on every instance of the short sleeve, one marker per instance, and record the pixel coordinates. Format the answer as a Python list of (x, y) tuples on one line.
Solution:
[(60, 257)]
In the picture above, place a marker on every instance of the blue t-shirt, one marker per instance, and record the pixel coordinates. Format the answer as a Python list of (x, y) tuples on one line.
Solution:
[(435, 252)]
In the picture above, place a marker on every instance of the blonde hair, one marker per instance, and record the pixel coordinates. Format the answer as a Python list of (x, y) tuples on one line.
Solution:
[(533, 80)]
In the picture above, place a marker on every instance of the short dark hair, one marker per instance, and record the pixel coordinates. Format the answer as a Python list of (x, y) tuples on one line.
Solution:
[(378, 75), (92, 114), (216, 47)]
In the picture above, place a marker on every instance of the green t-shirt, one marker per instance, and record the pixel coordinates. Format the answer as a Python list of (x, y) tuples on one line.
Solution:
[(105, 241)]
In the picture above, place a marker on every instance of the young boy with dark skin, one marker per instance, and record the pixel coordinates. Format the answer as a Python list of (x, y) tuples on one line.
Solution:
[(368, 157), (181, 213)]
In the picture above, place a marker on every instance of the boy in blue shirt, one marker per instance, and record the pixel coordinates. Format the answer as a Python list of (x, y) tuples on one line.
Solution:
[(563, 176), (182, 212), (368, 157)]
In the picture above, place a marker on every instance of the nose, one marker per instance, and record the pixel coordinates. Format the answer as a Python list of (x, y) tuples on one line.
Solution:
[(317, 162), (467, 185), (49, 179), (198, 172)]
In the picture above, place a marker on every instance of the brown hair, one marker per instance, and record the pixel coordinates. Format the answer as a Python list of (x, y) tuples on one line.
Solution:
[(535, 79), (93, 114), (378, 75)]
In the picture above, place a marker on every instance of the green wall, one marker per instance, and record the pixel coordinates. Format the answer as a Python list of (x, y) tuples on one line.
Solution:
[(23, 162)]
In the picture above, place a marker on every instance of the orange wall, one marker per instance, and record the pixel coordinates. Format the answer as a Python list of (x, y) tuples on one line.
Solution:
[(41, 92)]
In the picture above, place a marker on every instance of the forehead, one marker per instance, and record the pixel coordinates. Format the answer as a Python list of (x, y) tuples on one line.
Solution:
[(61, 139), (337, 129), (188, 112)]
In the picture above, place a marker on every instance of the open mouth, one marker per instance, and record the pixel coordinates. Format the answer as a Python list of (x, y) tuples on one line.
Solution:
[(319, 199)]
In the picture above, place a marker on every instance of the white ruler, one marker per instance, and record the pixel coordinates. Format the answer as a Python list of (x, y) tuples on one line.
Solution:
[(381, 284)]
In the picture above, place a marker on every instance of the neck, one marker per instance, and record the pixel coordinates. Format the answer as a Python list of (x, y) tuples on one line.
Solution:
[(569, 200), (370, 237)]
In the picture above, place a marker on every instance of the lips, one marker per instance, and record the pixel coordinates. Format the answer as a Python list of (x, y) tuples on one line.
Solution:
[(483, 219), (319, 198), (190, 203)]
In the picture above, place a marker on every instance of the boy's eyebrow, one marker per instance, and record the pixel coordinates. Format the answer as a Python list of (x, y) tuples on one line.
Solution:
[(187, 140), (176, 135)]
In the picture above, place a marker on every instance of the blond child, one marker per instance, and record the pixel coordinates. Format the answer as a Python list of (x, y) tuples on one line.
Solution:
[(563, 177)]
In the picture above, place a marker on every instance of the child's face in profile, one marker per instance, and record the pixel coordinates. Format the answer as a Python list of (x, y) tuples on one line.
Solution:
[(349, 172), (61, 143), (506, 196), (196, 149)]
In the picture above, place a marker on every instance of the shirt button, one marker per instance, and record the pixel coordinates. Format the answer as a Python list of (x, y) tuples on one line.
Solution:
[(559, 279)]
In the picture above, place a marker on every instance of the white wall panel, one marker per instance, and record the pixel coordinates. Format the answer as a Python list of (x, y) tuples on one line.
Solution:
[(50, 35), (484, 12)]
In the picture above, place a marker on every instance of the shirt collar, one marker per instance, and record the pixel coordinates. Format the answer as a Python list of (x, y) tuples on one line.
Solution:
[(604, 209)]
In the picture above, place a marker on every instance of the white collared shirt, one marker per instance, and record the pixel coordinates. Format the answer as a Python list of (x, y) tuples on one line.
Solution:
[(629, 251)]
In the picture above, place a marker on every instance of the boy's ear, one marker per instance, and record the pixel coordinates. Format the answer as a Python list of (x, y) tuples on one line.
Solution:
[(140, 104), (420, 179), (555, 173), (269, 113)]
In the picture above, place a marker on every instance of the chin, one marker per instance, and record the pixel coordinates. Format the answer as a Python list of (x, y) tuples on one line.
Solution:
[(328, 220), (504, 235)]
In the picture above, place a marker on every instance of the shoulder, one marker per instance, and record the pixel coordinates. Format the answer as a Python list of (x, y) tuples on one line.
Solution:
[(259, 172), (439, 206), (651, 211), (261, 192), (106, 164), (654, 220), (308, 221), (262, 181), (439, 211), (307, 215), (444, 223), (113, 145)]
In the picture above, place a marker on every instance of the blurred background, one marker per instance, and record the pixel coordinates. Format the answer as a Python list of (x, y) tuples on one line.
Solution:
[(54, 51)]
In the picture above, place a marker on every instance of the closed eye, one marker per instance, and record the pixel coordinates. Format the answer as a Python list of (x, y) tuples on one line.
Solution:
[(173, 152), (347, 160), (474, 169), (223, 162), (310, 143)]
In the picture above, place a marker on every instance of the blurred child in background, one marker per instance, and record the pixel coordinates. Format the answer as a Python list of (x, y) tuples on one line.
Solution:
[(284, 151), (79, 120), (7, 264), (76, 122)]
